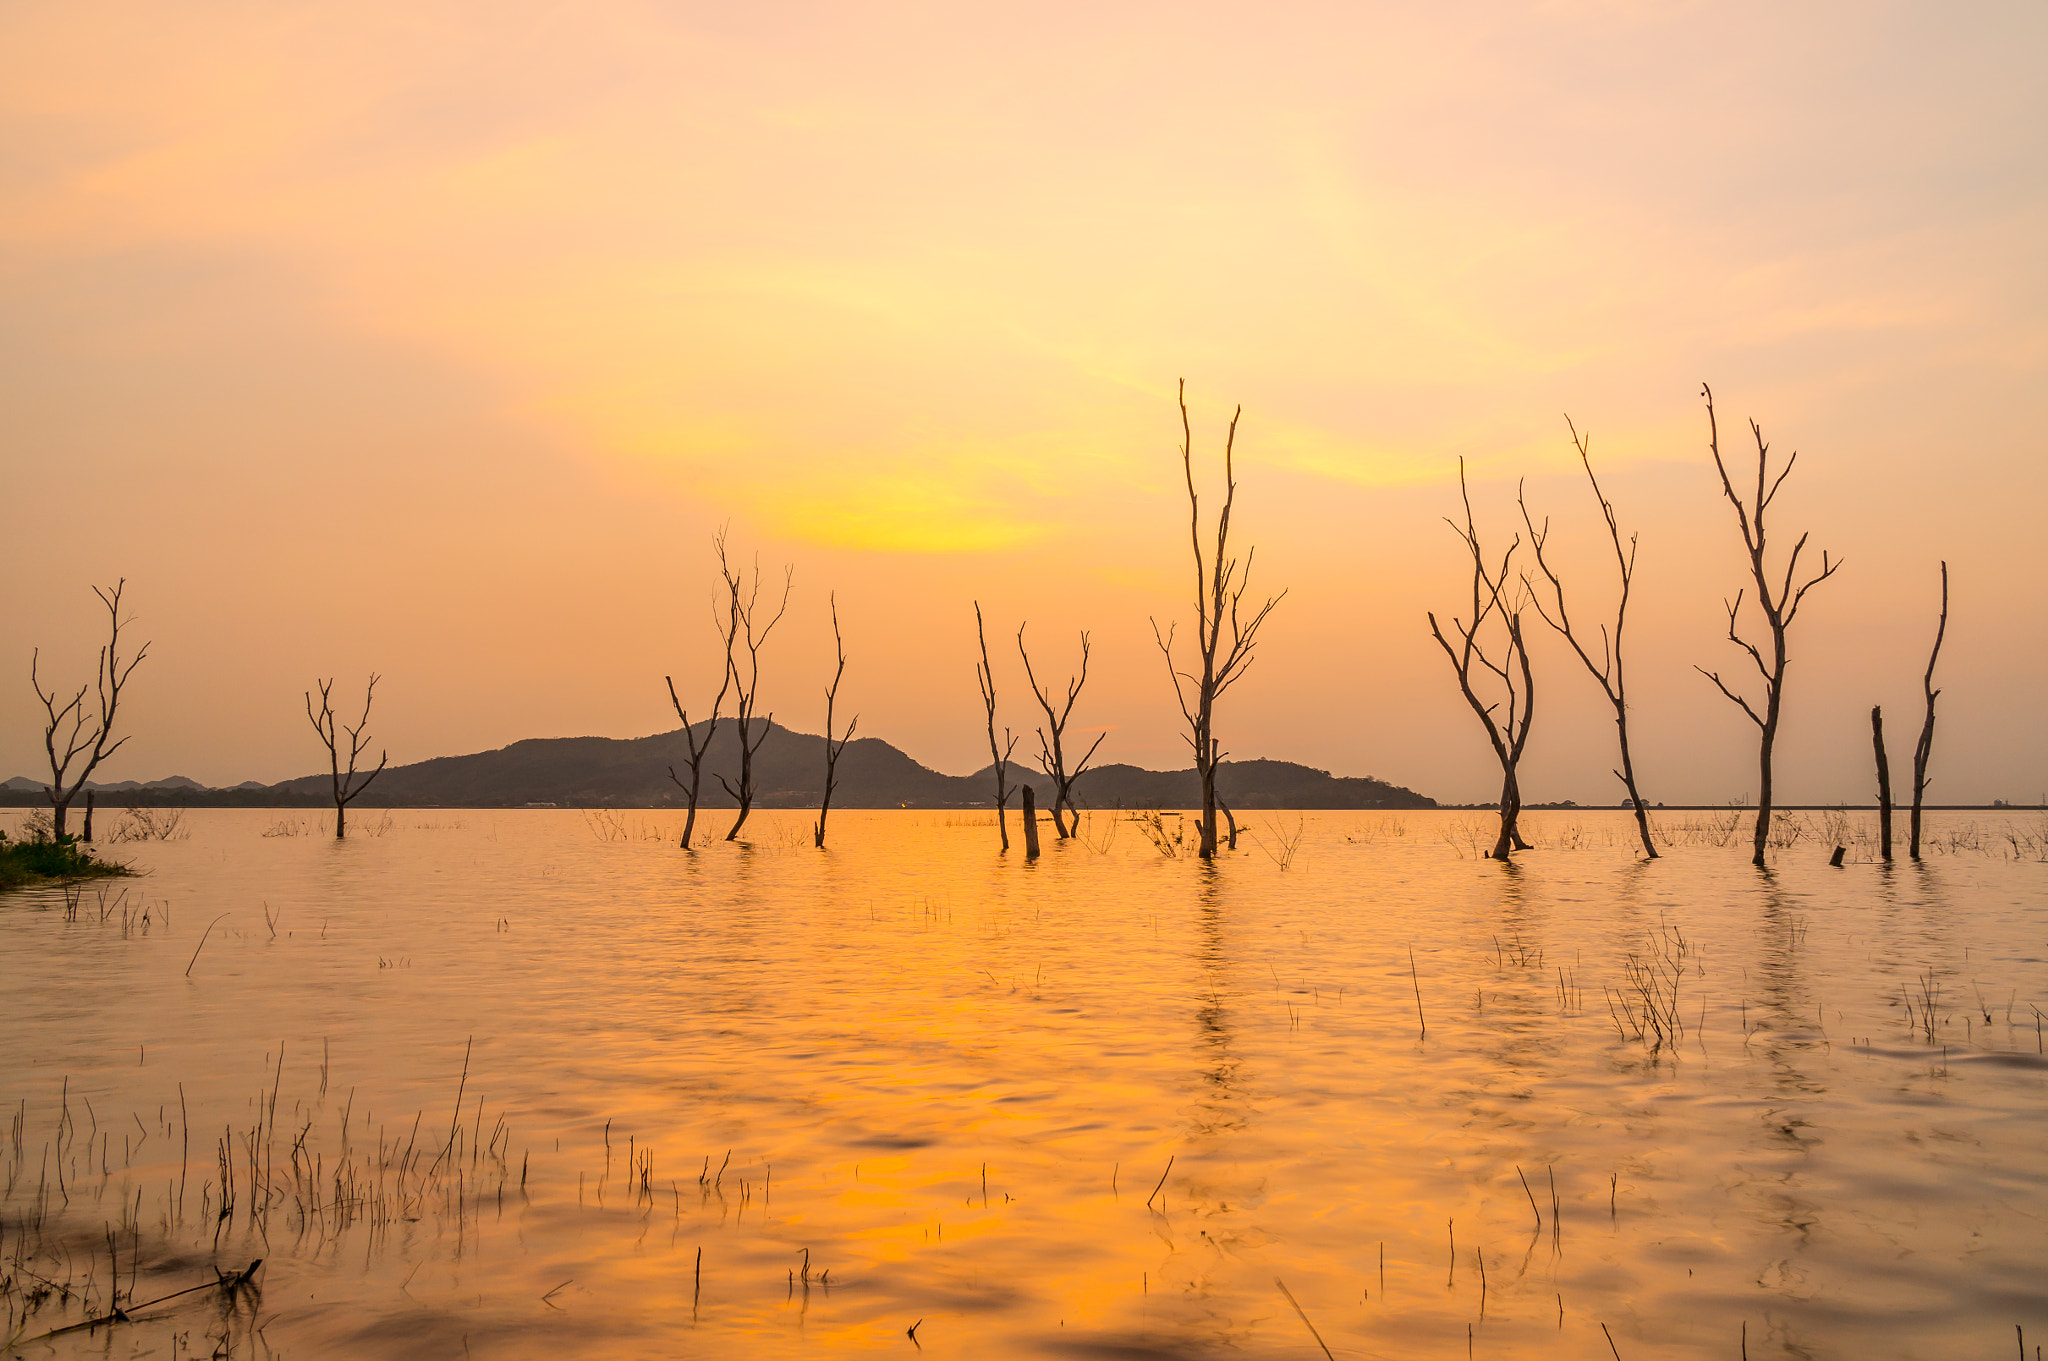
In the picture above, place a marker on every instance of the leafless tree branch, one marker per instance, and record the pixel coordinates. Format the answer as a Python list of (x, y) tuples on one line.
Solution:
[(84, 733)]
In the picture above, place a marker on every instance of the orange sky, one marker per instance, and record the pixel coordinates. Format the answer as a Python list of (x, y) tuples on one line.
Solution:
[(437, 343)]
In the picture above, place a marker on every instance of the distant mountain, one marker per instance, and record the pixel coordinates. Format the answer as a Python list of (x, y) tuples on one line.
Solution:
[(23, 784), (1241, 784), (788, 773)]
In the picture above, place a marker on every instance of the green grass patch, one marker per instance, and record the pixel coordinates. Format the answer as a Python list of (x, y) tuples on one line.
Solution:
[(26, 864)]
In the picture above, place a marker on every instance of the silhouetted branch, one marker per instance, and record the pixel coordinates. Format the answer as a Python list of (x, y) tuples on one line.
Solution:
[(750, 631), (343, 770), (1778, 597), (88, 736), (985, 677), (1507, 733), (834, 746), (1923, 750), (1220, 588), (1051, 738), (693, 787)]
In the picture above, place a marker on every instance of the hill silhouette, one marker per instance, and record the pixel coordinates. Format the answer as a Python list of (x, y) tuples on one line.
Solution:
[(612, 772)]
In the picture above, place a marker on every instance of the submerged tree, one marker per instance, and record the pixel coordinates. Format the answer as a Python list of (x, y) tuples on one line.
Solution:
[(71, 733), (693, 787), (1608, 670), (1220, 585), (1778, 597), (1924, 748), (834, 746), (1052, 757), (1489, 685), (1884, 783), (985, 677), (345, 785), (749, 631)]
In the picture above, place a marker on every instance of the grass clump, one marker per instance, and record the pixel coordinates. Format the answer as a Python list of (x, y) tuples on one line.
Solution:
[(27, 864)]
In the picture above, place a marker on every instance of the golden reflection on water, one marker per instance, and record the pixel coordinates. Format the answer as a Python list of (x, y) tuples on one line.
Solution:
[(763, 1100)]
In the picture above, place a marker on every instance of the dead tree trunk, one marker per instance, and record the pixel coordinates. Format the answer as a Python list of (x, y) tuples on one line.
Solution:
[(1924, 748), (1220, 585), (1609, 669), (693, 788), (1051, 751), (834, 746), (986, 677), (1884, 783), (1778, 596), (69, 734), (1030, 824), (345, 786), (751, 631), (1509, 683)]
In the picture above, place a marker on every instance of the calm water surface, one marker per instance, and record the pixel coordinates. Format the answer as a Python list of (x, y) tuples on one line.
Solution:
[(761, 1100)]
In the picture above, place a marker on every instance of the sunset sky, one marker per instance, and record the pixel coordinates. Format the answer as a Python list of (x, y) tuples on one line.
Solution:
[(438, 340)]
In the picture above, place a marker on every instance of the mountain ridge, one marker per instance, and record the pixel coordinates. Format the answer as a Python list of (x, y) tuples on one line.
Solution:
[(633, 772)]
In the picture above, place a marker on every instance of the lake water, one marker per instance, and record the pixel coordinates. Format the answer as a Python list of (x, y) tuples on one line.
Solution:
[(536, 1083)]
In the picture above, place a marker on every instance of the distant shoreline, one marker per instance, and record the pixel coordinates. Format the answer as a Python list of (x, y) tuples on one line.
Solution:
[(226, 799)]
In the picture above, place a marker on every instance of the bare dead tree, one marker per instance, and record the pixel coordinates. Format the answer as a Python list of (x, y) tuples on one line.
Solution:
[(345, 785), (834, 746), (1052, 757), (1000, 754), (1608, 670), (694, 786), (73, 734), (1884, 783), (1220, 585), (1489, 686), (1778, 597), (1924, 748), (751, 631)]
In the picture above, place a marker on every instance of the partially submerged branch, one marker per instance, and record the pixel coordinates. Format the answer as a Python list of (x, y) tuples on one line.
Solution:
[(1221, 585), (342, 770), (1923, 750), (1498, 686), (1610, 668), (1779, 594), (985, 677)]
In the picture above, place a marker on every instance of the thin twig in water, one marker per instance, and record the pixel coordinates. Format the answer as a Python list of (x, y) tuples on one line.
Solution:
[(202, 941), (1304, 1318), (1162, 1181), (1610, 1342), (1416, 979)]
